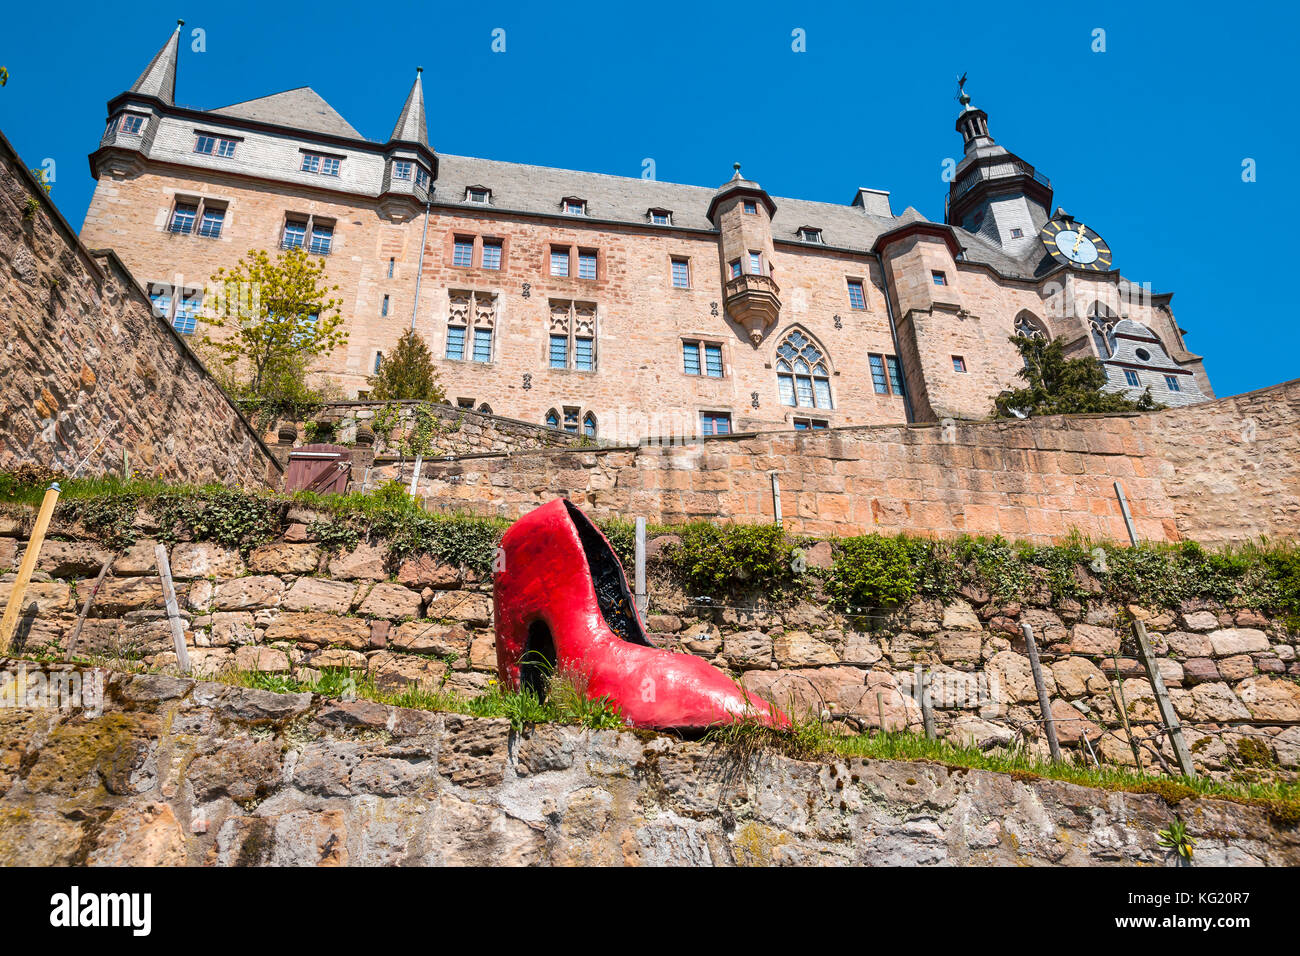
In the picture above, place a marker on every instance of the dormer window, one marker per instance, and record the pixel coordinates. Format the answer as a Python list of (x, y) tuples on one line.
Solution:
[(402, 169), (210, 145), (660, 217), (809, 234), (478, 194), (574, 206), (320, 164)]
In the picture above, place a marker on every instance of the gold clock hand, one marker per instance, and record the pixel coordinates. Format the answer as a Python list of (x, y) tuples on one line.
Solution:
[(1078, 238)]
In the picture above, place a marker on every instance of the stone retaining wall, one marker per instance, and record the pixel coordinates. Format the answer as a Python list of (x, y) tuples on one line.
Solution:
[(181, 772), (291, 606), (91, 374), (1226, 470)]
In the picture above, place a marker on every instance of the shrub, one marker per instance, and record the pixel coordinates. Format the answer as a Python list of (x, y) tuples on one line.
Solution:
[(726, 559)]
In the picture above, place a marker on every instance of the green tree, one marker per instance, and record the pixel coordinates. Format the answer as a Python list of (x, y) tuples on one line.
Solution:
[(279, 316), (1056, 385), (4, 76), (407, 373)]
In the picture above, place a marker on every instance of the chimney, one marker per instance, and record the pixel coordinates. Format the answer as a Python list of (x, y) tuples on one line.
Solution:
[(874, 201)]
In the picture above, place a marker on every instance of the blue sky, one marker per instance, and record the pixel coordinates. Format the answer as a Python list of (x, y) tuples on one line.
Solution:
[(1145, 142)]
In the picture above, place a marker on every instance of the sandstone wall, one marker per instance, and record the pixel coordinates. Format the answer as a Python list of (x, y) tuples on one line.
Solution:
[(293, 607), (177, 772), (1226, 470), (90, 372)]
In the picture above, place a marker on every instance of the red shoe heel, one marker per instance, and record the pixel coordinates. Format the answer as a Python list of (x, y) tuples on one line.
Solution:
[(561, 601)]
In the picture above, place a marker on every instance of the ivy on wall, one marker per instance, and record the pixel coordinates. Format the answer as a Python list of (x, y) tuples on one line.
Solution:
[(714, 560)]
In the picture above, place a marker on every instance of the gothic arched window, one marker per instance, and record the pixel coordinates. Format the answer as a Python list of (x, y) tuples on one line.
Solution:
[(552, 419), (1101, 325), (802, 373), (589, 425), (1028, 327)]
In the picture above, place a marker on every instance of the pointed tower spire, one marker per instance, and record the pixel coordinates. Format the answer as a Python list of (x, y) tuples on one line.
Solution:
[(411, 127), (972, 123), (159, 77)]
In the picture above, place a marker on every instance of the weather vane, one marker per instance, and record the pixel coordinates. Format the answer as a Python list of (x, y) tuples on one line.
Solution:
[(962, 95)]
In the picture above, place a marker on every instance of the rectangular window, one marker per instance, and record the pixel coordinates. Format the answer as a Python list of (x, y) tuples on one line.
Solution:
[(295, 234), (939, 278), (735, 268), (878, 379), (491, 255), (187, 311), (132, 124), (392, 263), (681, 274), (1131, 377), (560, 262), (421, 177), (810, 235), (691, 357), (661, 217), (455, 342), (570, 419), (1171, 383), (379, 357), (402, 169), (715, 423), (463, 253), (482, 345), (810, 424), (321, 238), (214, 146), (755, 264), (575, 207), (316, 163), (479, 195), (958, 363), (713, 361), (584, 354), (857, 298), (1017, 233), (751, 208), (559, 351), (183, 218), (161, 297), (586, 264), (895, 375), (210, 225), (383, 306)]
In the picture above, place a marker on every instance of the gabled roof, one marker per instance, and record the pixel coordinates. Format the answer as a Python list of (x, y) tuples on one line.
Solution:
[(302, 108), (159, 77), (411, 126)]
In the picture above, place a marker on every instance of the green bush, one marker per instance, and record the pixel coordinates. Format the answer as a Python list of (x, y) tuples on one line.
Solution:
[(727, 559)]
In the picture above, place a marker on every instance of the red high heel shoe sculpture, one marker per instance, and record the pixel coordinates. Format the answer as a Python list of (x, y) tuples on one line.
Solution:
[(562, 602)]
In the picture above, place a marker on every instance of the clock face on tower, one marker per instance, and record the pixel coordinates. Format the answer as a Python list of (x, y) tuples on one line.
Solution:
[(1074, 244)]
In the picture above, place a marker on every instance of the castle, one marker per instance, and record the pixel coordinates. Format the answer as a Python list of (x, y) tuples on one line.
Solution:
[(619, 307)]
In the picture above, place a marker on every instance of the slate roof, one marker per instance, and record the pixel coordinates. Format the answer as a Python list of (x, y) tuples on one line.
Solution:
[(302, 109), (159, 77), (517, 187), (411, 126)]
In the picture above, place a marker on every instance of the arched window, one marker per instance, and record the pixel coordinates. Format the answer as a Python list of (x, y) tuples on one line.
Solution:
[(802, 374), (1101, 325), (552, 419), (1029, 327), (485, 408), (589, 425)]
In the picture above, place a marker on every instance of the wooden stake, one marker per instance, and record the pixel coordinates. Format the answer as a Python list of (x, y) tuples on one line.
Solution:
[(28, 565), (1128, 519), (776, 498), (85, 608), (927, 706), (1043, 704), (173, 608), (642, 597), (1167, 712)]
